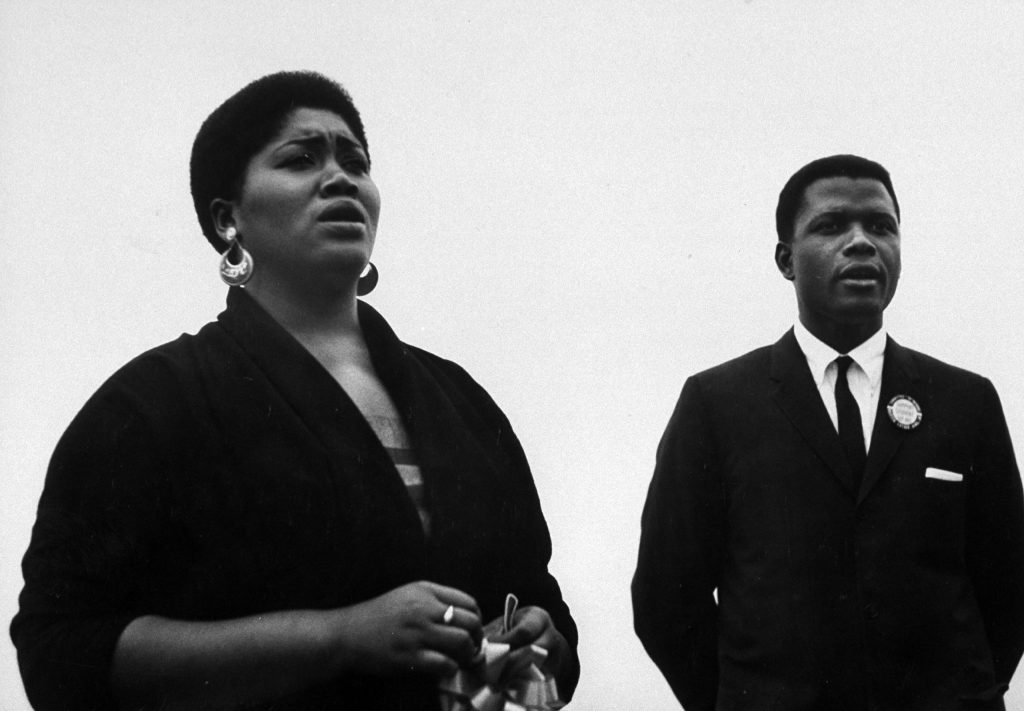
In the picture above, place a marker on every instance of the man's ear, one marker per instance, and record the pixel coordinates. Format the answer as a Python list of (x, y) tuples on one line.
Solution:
[(784, 259), (222, 212)]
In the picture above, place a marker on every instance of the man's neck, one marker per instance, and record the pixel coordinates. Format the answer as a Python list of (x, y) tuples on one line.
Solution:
[(843, 337)]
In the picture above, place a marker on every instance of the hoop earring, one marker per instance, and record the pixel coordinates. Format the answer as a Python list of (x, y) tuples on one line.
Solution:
[(368, 280), (235, 273)]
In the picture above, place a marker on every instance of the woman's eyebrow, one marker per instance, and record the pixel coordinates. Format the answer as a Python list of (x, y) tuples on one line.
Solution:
[(319, 139)]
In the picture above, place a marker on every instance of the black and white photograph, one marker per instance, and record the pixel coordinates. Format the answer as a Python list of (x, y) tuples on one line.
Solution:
[(463, 356)]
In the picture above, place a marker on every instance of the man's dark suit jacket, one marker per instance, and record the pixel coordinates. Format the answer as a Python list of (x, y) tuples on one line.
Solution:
[(905, 595)]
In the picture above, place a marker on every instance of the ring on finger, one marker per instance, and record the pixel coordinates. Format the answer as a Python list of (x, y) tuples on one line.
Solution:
[(449, 615)]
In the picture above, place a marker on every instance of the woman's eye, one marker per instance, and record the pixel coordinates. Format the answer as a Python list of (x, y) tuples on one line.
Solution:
[(355, 164), (305, 158)]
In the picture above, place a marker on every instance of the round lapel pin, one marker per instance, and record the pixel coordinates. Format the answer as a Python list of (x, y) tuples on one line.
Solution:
[(904, 412)]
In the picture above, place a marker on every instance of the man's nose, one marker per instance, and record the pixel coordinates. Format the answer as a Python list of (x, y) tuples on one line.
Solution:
[(858, 241)]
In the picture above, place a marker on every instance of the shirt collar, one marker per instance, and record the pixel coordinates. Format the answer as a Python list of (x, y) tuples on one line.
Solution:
[(869, 355)]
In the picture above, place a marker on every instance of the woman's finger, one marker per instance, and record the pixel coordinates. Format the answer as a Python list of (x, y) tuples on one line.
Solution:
[(530, 624), (520, 659), (431, 661), (453, 596), (461, 618), (453, 642)]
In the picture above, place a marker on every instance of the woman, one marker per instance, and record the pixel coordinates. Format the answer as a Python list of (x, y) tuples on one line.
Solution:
[(290, 508)]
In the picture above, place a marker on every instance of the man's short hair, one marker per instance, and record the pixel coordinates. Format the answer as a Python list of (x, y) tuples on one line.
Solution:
[(242, 126), (841, 166)]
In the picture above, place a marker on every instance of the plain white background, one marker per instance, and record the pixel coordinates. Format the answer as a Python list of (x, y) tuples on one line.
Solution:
[(578, 207)]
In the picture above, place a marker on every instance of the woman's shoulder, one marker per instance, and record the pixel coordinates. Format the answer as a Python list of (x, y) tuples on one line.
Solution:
[(450, 371), (439, 363), (161, 383), (172, 362), (464, 392), (387, 345)]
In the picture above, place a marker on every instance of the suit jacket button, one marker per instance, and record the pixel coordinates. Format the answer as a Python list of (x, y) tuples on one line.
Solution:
[(871, 611)]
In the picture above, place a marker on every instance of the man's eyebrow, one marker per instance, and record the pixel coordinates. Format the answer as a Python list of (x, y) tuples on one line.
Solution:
[(829, 212), (850, 210), (889, 216), (845, 215)]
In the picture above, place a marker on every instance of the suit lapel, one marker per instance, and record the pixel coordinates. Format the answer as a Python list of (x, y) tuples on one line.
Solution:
[(797, 396), (899, 375)]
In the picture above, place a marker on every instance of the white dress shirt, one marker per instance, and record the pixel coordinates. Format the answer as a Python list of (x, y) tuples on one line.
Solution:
[(864, 375)]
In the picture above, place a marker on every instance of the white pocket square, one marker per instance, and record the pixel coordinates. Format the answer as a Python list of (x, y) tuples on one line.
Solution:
[(933, 473)]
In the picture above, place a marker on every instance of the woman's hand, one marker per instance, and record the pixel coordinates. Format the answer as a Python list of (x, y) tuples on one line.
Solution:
[(177, 664), (531, 626), (405, 630)]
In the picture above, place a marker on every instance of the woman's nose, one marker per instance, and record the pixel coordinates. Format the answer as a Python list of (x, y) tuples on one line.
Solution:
[(336, 181)]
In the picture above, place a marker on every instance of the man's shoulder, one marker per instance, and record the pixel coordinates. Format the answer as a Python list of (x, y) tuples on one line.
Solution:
[(943, 385), (932, 369), (750, 364), (761, 360)]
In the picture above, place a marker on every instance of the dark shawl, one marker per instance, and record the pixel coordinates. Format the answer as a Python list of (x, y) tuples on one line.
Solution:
[(227, 474)]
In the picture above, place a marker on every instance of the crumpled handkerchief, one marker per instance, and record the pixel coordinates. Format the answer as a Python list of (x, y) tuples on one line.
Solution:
[(488, 685)]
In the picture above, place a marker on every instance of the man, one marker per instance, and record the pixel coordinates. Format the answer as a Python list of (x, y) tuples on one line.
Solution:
[(826, 533)]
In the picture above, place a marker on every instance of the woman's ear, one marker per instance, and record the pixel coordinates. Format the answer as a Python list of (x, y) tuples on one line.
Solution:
[(784, 259), (222, 213)]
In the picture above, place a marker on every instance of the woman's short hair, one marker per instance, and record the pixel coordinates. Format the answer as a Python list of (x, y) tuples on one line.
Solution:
[(841, 166), (239, 128)]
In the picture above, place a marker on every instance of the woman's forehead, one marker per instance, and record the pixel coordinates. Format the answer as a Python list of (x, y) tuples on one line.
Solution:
[(306, 122)]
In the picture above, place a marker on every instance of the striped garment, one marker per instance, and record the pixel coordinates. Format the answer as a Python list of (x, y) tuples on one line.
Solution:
[(391, 433)]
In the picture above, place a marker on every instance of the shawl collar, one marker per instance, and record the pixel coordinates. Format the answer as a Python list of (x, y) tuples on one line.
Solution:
[(456, 467), (318, 400), (465, 470), (373, 505), (797, 396)]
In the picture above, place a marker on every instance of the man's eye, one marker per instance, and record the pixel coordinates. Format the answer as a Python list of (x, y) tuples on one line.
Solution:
[(828, 227)]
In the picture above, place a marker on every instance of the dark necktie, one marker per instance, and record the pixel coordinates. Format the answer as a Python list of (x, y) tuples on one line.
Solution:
[(851, 432)]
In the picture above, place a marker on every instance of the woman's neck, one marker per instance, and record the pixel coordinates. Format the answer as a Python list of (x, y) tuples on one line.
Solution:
[(317, 320)]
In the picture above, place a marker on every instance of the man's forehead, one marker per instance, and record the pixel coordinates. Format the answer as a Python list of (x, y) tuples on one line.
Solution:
[(843, 192)]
